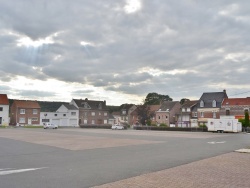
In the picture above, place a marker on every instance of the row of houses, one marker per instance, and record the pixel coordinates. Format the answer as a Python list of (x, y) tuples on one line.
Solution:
[(73, 114), (191, 113)]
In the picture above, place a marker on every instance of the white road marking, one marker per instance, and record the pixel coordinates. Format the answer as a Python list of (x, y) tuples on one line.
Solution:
[(8, 171), (222, 142)]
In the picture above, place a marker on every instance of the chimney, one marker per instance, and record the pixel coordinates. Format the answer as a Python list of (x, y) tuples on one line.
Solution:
[(224, 90)]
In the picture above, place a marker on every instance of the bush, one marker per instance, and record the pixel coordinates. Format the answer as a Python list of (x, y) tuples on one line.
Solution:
[(96, 126), (163, 125)]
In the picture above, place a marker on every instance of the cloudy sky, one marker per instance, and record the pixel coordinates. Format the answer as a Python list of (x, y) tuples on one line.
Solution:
[(121, 50)]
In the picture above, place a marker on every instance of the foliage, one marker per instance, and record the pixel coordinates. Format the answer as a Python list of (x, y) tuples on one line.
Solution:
[(155, 99), (163, 125), (246, 119), (242, 122), (143, 112), (182, 101), (148, 122)]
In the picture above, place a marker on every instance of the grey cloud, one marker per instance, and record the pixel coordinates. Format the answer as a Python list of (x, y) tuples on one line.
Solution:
[(164, 35)]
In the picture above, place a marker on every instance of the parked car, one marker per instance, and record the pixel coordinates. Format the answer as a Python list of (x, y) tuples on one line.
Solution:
[(50, 125), (117, 127)]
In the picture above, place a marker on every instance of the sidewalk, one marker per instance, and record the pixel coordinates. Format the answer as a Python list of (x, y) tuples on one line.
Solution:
[(227, 170)]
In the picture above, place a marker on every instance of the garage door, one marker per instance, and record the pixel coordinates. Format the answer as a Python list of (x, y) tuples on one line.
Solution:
[(56, 121), (73, 122), (64, 122)]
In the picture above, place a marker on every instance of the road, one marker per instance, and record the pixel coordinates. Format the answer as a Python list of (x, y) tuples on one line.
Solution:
[(91, 157)]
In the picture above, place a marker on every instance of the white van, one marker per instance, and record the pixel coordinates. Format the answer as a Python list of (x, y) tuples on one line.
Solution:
[(50, 125)]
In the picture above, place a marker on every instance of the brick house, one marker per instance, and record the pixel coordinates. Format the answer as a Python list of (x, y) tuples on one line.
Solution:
[(25, 112), (166, 113), (186, 117), (4, 110), (91, 112), (209, 106), (235, 107)]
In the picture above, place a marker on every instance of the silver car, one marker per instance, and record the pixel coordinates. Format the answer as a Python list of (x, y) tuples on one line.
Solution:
[(117, 127)]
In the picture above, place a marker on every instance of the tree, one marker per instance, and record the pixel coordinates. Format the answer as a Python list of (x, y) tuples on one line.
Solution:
[(143, 111), (246, 119), (182, 101), (155, 98)]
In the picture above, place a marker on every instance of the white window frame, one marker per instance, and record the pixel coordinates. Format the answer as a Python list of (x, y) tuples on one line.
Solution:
[(202, 114), (73, 113), (214, 103), (195, 114), (105, 114), (92, 113), (201, 103), (92, 121), (22, 111), (21, 120), (105, 121), (34, 111), (34, 119), (214, 115)]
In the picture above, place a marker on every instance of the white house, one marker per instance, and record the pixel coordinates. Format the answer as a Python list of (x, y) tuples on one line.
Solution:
[(67, 115), (4, 110)]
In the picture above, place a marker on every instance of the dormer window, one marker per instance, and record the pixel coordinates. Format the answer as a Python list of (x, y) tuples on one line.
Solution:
[(100, 106), (202, 104), (85, 105), (214, 103)]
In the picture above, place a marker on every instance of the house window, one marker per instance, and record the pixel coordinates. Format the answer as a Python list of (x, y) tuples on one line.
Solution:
[(55, 114), (21, 120), (34, 119), (100, 113), (202, 114), (201, 104), (159, 117), (105, 113), (195, 114), (227, 112), (214, 103), (100, 106), (93, 121), (73, 113), (45, 120), (93, 113), (34, 111), (1, 108), (64, 115), (22, 111), (105, 121), (214, 114), (85, 121), (166, 117), (124, 112)]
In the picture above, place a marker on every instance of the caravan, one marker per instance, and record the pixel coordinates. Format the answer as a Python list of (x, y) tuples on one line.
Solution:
[(224, 125)]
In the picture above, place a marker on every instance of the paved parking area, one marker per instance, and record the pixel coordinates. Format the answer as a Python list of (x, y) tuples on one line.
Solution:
[(71, 142), (115, 158)]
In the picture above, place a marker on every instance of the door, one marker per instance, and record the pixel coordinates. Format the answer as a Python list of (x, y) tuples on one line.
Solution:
[(0, 120), (29, 121)]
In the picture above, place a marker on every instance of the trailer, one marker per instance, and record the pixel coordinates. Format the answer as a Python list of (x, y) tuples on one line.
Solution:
[(224, 125)]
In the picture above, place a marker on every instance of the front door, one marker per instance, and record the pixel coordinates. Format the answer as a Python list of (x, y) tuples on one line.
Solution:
[(0, 120), (29, 121)]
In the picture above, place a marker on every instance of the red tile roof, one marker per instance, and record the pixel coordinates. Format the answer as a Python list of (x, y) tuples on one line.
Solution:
[(4, 99), (236, 101), (26, 104)]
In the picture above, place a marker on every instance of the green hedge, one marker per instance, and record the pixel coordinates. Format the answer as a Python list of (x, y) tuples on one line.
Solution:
[(153, 128), (96, 126)]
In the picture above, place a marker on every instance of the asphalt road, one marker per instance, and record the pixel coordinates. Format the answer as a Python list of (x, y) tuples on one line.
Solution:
[(87, 157)]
